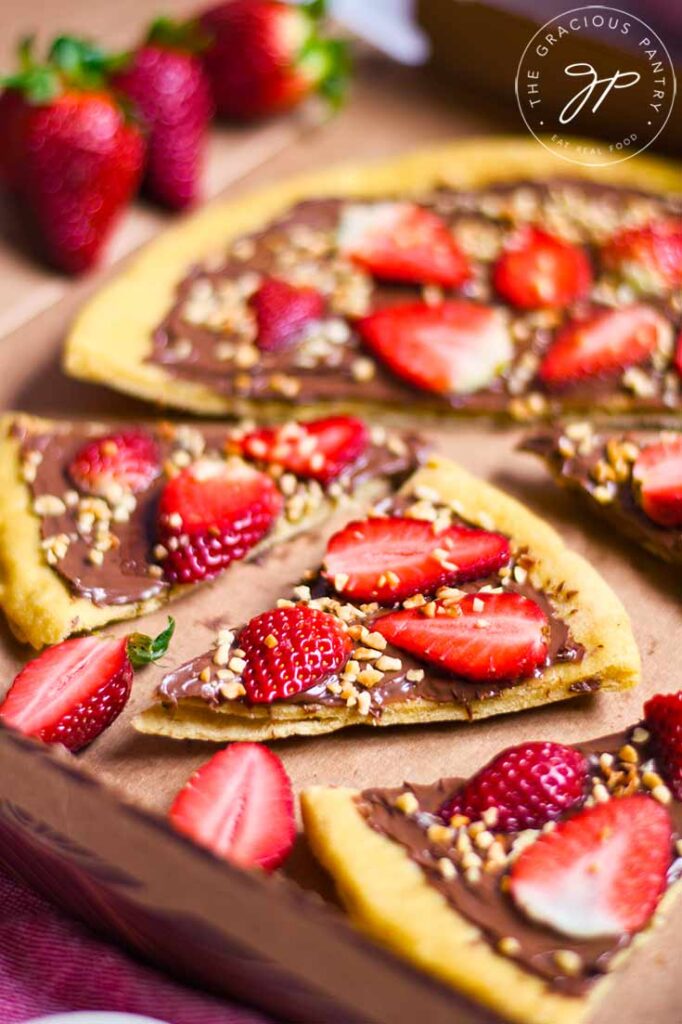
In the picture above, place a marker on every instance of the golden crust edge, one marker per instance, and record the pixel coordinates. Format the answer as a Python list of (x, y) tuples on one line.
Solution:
[(37, 603), (599, 622), (110, 338)]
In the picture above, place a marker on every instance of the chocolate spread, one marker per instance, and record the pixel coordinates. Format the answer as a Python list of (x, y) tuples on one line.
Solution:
[(588, 212), (579, 469), (128, 571), (483, 902)]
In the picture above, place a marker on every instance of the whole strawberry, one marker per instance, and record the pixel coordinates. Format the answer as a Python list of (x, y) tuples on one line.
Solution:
[(74, 158), (264, 56), (165, 80), (528, 785)]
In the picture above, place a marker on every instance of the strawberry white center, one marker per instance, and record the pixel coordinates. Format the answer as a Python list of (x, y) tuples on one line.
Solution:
[(575, 900), (364, 223)]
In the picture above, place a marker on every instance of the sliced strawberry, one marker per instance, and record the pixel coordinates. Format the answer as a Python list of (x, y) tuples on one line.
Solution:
[(320, 449), (663, 719), (648, 257), (605, 343), (72, 692), (402, 242), (288, 650), (538, 270), (283, 312), (212, 513), (483, 637), (107, 466), (390, 559), (240, 805), (528, 785), (455, 347), (599, 873), (657, 476)]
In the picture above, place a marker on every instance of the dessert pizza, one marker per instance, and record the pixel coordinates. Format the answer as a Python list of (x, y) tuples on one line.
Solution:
[(525, 885), (449, 601), (475, 278), (632, 477), (102, 521)]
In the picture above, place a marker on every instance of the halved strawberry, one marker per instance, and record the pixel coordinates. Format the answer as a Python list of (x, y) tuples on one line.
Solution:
[(402, 242), (537, 270), (455, 347), (319, 449), (111, 465), (604, 343), (483, 637), (657, 476), (663, 719), (599, 873), (240, 805), (283, 312), (648, 257), (390, 559), (528, 785), (288, 650), (72, 692), (211, 514)]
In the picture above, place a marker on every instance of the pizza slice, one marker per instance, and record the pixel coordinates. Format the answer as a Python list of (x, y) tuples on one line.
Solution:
[(525, 886), (632, 478), (450, 601), (101, 522), (472, 279)]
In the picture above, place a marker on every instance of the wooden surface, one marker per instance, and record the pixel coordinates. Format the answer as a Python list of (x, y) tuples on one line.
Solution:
[(391, 109)]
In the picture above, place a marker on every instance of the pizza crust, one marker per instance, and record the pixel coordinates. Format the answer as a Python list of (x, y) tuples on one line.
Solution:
[(111, 338), (389, 899), (595, 615), (37, 602)]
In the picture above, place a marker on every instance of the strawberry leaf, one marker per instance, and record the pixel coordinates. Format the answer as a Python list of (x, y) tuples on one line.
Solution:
[(143, 649), (40, 85), (187, 36), (334, 84), (315, 9)]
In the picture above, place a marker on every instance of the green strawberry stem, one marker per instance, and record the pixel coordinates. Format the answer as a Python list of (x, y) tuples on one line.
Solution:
[(187, 36), (72, 63), (143, 649), (324, 61)]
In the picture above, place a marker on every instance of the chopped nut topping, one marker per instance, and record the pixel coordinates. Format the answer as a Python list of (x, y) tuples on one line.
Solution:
[(363, 369), (388, 664), (364, 703), (232, 690), (568, 962), (446, 868), (509, 946), (407, 803), (370, 676), (49, 505)]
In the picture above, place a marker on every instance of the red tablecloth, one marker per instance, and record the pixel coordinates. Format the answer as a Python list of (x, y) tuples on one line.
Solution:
[(51, 964)]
